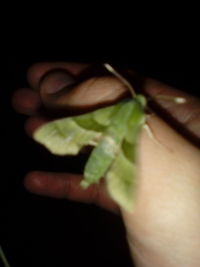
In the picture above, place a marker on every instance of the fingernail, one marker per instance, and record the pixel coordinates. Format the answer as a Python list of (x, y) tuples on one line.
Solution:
[(55, 81)]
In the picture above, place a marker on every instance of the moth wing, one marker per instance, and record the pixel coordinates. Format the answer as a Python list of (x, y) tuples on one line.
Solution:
[(66, 136), (121, 182), (104, 116), (135, 123), (122, 178)]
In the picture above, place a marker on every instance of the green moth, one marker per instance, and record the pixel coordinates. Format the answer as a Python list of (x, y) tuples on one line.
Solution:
[(113, 131)]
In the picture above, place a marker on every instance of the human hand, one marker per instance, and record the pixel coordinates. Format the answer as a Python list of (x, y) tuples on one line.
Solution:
[(164, 229)]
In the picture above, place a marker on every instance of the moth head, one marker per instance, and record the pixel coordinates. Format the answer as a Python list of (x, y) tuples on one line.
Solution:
[(141, 100)]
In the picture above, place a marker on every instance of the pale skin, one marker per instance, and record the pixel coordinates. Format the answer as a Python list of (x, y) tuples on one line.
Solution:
[(164, 230)]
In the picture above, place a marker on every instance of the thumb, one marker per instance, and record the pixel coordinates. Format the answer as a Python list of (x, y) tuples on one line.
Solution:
[(62, 90)]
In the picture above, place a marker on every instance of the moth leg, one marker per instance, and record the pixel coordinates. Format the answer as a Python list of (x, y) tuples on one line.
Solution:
[(150, 133), (147, 127), (152, 136)]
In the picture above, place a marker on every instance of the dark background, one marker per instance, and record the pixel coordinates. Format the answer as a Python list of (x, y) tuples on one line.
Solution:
[(40, 231)]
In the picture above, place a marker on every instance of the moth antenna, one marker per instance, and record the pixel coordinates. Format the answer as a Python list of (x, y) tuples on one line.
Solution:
[(176, 99), (121, 78)]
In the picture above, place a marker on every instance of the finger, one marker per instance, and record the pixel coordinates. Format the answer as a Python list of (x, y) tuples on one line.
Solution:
[(68, 186), (94, 92), (33, 123), (26, 101), (37, 71), (54, 79)]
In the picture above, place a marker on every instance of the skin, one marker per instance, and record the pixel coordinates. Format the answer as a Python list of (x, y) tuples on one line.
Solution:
[(164, 230)]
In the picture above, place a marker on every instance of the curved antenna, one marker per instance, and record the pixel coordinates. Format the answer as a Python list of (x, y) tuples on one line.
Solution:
[(177, 100), (121, 78)]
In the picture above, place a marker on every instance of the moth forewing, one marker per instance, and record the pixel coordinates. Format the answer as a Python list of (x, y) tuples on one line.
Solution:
[(103, 116), (65, 136), (137, 119)]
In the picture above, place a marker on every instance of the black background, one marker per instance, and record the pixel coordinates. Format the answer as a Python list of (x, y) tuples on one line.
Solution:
[(40, 231)]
